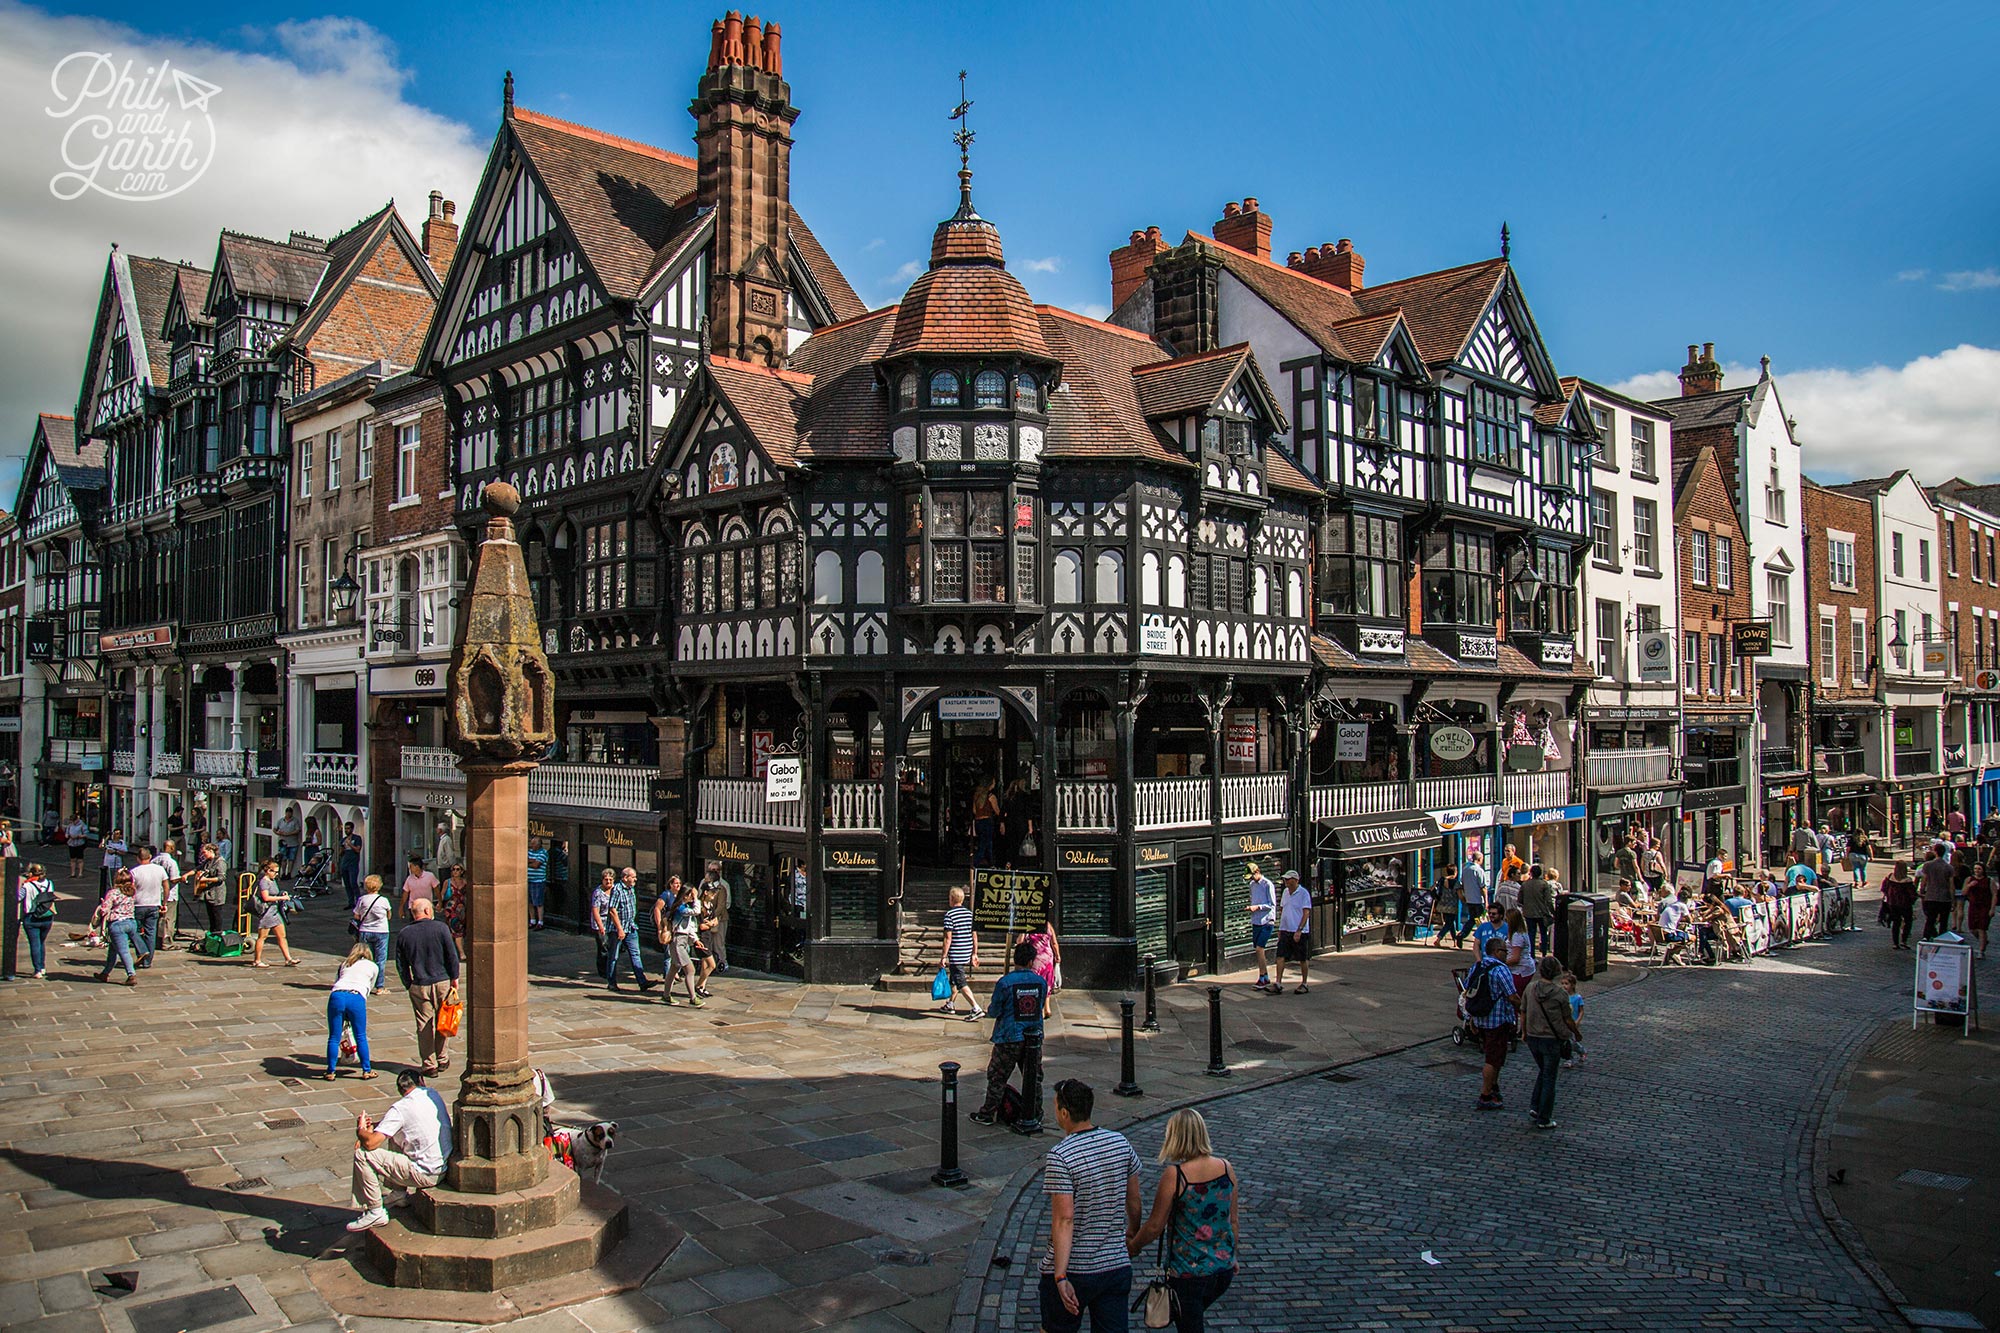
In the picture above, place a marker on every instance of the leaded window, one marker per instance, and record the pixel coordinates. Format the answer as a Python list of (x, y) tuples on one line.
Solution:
[(1459, 583), (989, 389), (944, 389), (540, 416), (1361, 566), (1496, 426)]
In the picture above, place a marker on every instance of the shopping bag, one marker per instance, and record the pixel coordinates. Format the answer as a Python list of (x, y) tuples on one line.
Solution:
[(941, 984), (450, 1014)]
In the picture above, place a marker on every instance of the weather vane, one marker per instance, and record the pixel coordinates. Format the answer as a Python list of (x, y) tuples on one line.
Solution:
[(963, 137)]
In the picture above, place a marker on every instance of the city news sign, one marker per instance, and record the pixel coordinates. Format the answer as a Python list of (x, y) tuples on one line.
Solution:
[(1751, 638), (1010, 900), (784, 778)]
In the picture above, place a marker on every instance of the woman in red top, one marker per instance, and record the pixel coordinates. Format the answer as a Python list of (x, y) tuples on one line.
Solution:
[(1899, 904), (1979, 905)]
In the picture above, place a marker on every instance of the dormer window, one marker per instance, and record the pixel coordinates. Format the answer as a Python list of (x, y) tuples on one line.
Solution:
[(1236, 439), (944, 389), (906, 393), (1027, 394), (1496, 426), (1211, 435), (990, 389)]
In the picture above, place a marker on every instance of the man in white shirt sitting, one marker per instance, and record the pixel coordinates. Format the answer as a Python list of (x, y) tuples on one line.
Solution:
[(407, 1149), (1673, 911)]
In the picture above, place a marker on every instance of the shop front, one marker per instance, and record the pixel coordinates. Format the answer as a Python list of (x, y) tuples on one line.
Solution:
[(1362, 875), (1472, 828), (1087, 878), (1986, 796), (1546, 837), (1616, 820), (1713, 824), (1784, 811), (1174, 902), (1270, 852), (1915, 809), (1958, 796), (770, 885)]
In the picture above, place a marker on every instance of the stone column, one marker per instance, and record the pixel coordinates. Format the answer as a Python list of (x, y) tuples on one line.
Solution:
[(236, 706)]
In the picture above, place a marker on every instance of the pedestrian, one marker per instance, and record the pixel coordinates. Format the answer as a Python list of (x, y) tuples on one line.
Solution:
[(1653, 868), (1859, 848), (1263, 910), (715, 902), (149, 895), (211, 885), (1092, 1180), (600, 922), (1520, 950), (309, 847), (959, 956), (1194, 1219), (1048, 956), (1510, 859), (1575, 1018), (1934, 887), (712, 898), (682, 937), (452, 901), (1494, 927), (1294, 932), (1538, 905), (76, 834), (167, 861), (558, 868), (38, 914), (1447, 907), (113, 860), (1625, 860), (427, 963), (270, 914), (1020, 1005), (1489, 1005), (538, 881), (1548, 1028), (1979, 905), (7, 852), (419, 885), (1671, 915), (347, 1006), (1475, 891), (985, 824), (1825, 849), (407, 1150), (371, 925), (446, 850), (288, 841), (121, 933), (1018, 813), (351, 850), (625, 933)]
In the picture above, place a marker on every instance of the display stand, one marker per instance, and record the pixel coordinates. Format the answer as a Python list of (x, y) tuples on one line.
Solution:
[(1946, 982)]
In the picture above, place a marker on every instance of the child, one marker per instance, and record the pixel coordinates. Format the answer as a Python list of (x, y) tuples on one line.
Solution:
[(1576, 1016)]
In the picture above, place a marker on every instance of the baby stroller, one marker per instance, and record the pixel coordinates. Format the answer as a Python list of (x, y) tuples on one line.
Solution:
[(317, 876), (1467, 1030)]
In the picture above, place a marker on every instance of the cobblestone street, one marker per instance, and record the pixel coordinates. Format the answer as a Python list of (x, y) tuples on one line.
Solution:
[(1676, 1193)]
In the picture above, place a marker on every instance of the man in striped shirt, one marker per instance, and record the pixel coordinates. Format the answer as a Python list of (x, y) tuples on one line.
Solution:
[(961, 956), (1092, 1180)]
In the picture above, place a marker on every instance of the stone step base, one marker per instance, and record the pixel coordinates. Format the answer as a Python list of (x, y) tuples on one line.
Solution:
[(408, 1256)]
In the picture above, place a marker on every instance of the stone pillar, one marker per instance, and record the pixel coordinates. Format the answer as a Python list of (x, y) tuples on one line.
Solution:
[(236, 706)]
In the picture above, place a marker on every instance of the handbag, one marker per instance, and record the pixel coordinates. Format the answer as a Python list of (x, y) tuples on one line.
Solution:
[(1159, 1305), (1055, 978), (450, 1014), (941, 984), (1029, 847)]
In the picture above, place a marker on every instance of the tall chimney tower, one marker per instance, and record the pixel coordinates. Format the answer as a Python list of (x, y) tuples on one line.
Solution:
[(743, 116), (1702, 373)]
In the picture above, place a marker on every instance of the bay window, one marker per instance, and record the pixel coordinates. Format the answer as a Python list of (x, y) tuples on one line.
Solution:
[(1361, 566), (1459, 583), (1496, 426)]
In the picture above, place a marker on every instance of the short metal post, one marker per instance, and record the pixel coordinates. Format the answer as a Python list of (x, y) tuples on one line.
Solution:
[(1031, 1085), (1152, 1023), (1216, 1069), (10, 918), (948, 1173), (1128, 1084)]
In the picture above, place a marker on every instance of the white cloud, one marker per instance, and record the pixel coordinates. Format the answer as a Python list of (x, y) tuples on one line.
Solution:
[(1094, 310), (1052, 264), (1913, 275), (875, 244), (312, 132), (1938, 415), (1970, 280), (905, 275)]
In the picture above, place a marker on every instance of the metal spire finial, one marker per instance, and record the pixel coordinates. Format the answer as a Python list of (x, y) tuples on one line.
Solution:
[(963, 137), (1506, 245)]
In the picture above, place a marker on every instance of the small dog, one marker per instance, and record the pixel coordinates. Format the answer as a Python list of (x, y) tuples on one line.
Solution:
[(585, 1149)]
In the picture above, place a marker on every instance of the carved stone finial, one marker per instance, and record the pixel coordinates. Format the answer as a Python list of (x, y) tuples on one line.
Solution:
[(498, 688)]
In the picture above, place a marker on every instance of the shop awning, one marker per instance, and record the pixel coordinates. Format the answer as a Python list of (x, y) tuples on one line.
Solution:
[(1373, 834)]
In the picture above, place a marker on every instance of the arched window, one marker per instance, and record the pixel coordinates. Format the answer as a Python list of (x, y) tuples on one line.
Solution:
[(944, 389), (1260, 592), (826, 578), (1110, 577), (1295, 595), (1027, 394), (870, 582), (1149, 579), (1176, 580), (990, 389), (1068, 578), (906, 393)]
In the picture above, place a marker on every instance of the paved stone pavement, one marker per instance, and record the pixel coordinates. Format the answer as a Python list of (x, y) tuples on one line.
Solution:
[(1677, 1193), (176, 1130)]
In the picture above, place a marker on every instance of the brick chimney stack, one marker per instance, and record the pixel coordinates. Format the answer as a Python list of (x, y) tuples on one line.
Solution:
[(441, 233), (1702, 373), (743, 137), (1131, 262), (1245, 228), (1338, 263)]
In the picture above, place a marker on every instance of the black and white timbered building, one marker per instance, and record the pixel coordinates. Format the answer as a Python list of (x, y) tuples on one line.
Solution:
[(1445, 676)]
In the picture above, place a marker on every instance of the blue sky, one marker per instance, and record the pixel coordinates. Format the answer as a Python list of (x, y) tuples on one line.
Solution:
[(1814, 184)]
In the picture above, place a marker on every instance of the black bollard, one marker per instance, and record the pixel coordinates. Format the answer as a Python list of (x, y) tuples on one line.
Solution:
[(1216, 1069), (1128, 1085), (1031, 1085), (948, 1173), (10, 918), (1152, 1023)]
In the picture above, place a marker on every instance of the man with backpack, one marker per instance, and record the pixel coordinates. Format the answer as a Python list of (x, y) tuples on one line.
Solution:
[(1489, 1003), (1020, 999)]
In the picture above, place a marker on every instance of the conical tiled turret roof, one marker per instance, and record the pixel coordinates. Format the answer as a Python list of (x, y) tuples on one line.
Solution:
[(967, 303)]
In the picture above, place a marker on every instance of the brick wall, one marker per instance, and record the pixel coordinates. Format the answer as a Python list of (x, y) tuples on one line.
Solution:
[(1822, 511), (430, 513), (1702, 505), (1977, 627), (382, 316)]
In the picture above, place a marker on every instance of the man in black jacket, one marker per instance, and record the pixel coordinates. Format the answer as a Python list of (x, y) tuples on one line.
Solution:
[(427, 961)]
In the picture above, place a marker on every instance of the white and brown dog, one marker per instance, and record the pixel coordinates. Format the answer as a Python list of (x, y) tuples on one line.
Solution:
[(585, 1149)]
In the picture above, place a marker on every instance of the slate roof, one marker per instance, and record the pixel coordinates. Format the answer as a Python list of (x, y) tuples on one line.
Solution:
[(152, 286), (276, 270), (769, 403), (1441, 309), (193, 285), (81, 466), (1705, 410), (967, 303), (1188, 384), (847, 414)]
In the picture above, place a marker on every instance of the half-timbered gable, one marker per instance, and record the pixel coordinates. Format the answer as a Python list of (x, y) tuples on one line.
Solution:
[(62, 479)]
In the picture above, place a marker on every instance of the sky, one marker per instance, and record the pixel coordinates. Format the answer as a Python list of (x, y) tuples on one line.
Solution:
[(1807, 183)]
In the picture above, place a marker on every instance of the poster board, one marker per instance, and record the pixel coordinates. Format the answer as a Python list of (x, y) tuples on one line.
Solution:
[(1010, 901), (1945, 983), (1756, 919), (1836, 908)]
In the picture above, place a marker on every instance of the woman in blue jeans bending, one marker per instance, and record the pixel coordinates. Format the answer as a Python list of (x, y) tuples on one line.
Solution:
[(1194, 1215), (348, 1007), (38, 914)]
